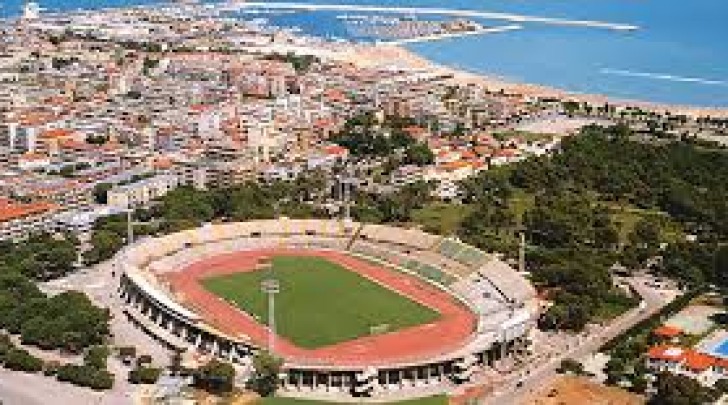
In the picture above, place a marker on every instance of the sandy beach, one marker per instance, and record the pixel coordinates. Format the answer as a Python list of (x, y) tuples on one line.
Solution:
[(383, 55)]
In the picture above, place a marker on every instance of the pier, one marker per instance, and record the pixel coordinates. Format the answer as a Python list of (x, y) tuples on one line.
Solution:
[(445, 35), (516, 18)]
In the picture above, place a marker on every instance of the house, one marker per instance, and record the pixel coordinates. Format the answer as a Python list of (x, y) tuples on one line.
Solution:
[(19, 219), (702, 367), (667, 333)]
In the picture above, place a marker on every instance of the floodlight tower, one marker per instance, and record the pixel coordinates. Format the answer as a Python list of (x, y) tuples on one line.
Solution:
[(271, 287), (129, 227)]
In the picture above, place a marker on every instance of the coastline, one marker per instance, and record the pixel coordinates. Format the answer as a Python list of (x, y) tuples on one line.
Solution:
[(382, 55), (395, 53)]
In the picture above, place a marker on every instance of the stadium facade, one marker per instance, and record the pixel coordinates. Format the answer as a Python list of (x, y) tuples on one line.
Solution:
[(502, 300)]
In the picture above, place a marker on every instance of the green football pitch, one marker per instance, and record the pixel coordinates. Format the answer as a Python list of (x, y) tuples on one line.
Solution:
[(320, 303)]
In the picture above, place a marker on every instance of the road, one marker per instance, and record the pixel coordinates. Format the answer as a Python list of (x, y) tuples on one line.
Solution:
[(18, 388), (542, 376)]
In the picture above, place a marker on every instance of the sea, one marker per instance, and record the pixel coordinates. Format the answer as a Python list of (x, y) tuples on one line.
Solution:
[(679, 55)]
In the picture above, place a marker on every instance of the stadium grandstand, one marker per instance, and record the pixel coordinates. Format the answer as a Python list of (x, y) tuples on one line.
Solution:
[(496, 307)]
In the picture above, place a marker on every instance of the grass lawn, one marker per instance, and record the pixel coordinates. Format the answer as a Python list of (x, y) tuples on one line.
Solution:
[(625, 218), (320, 303), (519, 203), (441, 218), (434, 400), (445, 218)]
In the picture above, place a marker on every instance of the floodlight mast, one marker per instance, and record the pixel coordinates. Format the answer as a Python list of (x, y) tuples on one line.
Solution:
[(271, 287)]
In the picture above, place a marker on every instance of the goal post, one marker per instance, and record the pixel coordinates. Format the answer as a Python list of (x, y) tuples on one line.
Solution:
[(379, 329)]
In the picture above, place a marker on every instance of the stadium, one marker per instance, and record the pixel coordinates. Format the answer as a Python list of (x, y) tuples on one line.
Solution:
[(360, 309)]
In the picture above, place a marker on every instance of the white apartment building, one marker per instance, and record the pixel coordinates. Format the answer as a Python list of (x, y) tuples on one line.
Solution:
[(142, 192)]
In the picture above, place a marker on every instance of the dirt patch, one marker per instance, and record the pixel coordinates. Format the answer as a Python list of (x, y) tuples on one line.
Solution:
[(578, 390)]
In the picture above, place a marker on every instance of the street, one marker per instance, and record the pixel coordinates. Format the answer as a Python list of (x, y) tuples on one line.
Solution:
[(516, 387)]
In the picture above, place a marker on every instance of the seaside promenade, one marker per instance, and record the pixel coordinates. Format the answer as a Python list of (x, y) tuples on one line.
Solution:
[(516, 18)]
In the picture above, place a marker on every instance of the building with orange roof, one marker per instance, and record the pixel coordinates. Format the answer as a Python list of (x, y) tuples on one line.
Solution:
[(336, 150), (19, 219), (162, 163), (33, 161), (56, 133), (667, 332), (506, 156), (468, 154), (417, 132), (695, 364), (698, 362)]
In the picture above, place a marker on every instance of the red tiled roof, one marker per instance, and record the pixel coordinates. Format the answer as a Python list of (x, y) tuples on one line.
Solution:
[(56, 133), (664, 352), (335, 95), (692, 359), (667, 331), (467, 154), (723, 363), (698, 361), (335, 150), (162, 162), (10, 209), (506, 153)]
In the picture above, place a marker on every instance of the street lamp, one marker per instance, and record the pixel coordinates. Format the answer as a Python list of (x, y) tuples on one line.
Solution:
[(271, 287), (129, 226)]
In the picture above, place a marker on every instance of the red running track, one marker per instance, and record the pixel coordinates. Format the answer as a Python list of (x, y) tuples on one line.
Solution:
[(450, 331)]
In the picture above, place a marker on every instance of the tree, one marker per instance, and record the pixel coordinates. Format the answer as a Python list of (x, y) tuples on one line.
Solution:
[(571, 107), (680, 390), (100, 192), (614, 369), (215, 377), (96, 357), (646, 233), (85, 376), (68, 320), (97, 140), (144, 375), (721, 386), (265, 378), (721, 265), (644, 242), (364, 138), (491, 226), (126, 353), (5, 345), (44, 257), (571, 366), (149, 64), (419, 154), (21, 360), (185, 207), (104, 245)]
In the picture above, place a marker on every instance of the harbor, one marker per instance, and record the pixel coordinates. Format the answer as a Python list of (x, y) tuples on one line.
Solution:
[(517, 18), (449, 35)]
